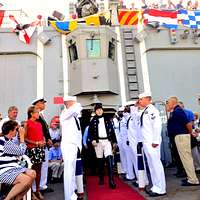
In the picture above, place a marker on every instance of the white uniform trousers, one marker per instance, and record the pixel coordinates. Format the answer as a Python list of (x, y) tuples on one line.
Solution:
[(103, 148), (44, 170), (122, 153), (133, 147), (196, 157), (156, 168), (129, 163), (69, 152)]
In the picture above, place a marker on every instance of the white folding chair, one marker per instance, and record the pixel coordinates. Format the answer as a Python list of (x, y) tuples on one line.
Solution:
[(27, 160)]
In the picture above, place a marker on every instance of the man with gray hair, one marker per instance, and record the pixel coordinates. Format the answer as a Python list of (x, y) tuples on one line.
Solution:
[(12, 115), (180, 128)]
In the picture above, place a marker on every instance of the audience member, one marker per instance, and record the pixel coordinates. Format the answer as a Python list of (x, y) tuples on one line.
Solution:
[(10, 171), (54, 130), (35, 146), (56, 163), (180, 130), (196, 120), (12, 115), (40, 104)]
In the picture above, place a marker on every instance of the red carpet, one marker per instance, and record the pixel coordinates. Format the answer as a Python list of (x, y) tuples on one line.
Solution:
[(122, 191)]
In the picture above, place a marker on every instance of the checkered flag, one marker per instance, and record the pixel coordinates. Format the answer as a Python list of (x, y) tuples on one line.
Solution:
[(189, 18)]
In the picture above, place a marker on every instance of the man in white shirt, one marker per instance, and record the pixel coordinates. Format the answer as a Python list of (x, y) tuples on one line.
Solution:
[(71, 143), (12, 115)]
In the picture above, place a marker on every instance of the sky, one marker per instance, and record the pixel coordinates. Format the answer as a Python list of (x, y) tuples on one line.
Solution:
[(46, 7), (36, 7)]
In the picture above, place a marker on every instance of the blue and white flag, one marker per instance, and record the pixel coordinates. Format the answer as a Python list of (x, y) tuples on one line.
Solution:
[(189, 18)]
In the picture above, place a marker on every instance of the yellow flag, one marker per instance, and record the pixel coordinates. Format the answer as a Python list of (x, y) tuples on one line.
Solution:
[(92, 20)]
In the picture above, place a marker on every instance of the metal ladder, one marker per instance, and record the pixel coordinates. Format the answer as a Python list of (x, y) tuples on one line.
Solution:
[(130, 63)]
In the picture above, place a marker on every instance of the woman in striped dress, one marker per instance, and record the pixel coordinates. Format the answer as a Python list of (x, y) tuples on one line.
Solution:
[(10, 171)]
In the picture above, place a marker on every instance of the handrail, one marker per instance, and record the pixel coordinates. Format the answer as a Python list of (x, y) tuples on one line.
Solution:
[(3, 53), (171, 48)]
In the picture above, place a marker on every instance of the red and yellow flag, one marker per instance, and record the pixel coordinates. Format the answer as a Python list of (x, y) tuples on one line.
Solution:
[(129, 17)]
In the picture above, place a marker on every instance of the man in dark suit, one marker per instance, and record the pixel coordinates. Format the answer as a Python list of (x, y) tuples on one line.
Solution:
[(103, 139)]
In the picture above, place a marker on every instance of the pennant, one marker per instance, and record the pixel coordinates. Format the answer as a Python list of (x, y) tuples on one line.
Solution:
[(2, 12), (168, 19), (129, 17), (92, 20), (6, 22), (58, 100), (98, 19), (64, 26), (25, 31), (189, 18)]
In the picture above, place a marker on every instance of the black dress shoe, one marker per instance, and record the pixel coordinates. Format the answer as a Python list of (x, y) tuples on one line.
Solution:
[(184, 180), (154, 194), (112, 185), (48, 190), (80, 198), (101, 182), (135, 184), (180, 175), (147, 190), (126, 179), (186, 183)]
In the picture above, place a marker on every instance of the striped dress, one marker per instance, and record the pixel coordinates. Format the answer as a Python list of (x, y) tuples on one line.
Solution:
[(9, 167)]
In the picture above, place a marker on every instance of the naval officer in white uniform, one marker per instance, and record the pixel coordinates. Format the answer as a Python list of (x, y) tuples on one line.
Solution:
[(132, 129), (150, 126), (122, 141), (71, 143)]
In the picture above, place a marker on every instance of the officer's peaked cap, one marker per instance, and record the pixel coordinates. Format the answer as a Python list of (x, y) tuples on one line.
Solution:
[(129, 103), (69, 98), (121, 108), (144, 94), (39, 99)]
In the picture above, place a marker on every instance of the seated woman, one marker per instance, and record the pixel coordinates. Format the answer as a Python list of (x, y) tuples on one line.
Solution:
[(10, 171)]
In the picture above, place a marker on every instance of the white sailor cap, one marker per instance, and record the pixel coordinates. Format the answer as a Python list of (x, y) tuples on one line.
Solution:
[(144, 94), (129, 103), (121, 108), (39, 99), (69, 98)]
